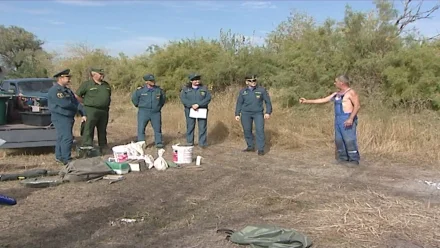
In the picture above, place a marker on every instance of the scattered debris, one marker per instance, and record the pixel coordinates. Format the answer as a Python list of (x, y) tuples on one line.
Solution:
[(94, 180), (117, 180), (113, 177), (126, 221), (433, 184), (42, 182)]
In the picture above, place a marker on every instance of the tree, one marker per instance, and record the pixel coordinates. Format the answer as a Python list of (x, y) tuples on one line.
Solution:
[(413, 14), (16, 46)]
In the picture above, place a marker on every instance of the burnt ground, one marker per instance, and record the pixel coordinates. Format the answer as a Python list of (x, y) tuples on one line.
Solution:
[(379, 204)]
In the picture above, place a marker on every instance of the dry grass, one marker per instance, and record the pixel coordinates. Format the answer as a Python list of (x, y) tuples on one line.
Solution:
[(380, 132)]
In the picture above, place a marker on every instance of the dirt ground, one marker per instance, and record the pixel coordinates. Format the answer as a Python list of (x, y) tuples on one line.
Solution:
[(379, 204)]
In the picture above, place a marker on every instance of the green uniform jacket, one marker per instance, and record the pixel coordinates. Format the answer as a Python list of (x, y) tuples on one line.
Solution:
[(95, 95)]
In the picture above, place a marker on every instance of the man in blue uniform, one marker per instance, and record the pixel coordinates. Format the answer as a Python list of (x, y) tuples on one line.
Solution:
[(195, 96), (63, 107), (250, 106), (346, 105), (149, 99)]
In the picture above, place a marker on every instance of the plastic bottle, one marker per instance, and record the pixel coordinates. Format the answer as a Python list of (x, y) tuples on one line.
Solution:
[(6, 200), (198, 160)]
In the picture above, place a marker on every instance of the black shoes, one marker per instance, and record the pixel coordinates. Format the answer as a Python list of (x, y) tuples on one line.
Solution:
[(59, 162), (347, 162), (250, 149), (352, 163)]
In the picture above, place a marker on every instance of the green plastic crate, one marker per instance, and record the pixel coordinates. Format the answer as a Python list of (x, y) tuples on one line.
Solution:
[(119, 168)]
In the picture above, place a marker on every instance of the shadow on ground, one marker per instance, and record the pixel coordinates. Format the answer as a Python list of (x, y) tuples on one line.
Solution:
[(218, 134), (271, 139)]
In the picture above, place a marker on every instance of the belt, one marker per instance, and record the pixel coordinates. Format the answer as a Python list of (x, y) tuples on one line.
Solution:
[(101, 108)]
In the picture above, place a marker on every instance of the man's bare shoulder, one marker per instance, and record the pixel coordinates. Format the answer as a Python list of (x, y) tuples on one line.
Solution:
[(351, 93), (352, 96)]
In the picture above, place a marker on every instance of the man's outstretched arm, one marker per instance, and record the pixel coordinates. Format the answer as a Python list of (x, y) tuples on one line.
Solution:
[(320, 100)]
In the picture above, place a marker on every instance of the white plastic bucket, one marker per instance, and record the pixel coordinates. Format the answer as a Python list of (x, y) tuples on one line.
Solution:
[(120, 153), (182, 154)]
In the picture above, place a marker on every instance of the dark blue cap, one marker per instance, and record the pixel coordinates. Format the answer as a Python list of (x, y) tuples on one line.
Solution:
[(194, 76), (251, 77), (149, 77), (64, 73)]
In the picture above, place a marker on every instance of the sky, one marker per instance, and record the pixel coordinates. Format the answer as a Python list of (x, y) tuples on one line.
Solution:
[(131, 26)]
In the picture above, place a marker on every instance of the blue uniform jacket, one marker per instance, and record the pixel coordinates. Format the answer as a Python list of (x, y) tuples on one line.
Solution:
[(149, 98), (251, 101), (200, 96), (62, 101)]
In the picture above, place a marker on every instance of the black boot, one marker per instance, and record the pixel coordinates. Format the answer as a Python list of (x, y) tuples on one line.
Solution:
[(249, 149)]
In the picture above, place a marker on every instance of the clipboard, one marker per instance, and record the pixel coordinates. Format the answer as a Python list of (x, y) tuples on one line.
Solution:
[(200, 113)]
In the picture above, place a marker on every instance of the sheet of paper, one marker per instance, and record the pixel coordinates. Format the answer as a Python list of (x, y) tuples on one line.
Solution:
[(35, 108), (198, 114)]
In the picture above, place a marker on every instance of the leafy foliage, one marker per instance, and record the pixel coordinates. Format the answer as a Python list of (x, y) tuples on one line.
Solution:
[(20, 48)]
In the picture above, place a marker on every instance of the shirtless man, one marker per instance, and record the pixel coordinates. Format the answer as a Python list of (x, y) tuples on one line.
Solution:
[(346, 102)]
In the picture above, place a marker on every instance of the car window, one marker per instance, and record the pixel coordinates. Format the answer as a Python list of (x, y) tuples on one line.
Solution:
[(5, 86), (28, 87)]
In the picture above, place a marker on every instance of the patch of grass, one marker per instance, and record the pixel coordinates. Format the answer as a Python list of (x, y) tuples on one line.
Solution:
[(381, 132)]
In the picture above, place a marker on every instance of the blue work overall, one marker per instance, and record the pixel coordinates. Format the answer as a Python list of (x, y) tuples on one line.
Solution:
[(345, 137)]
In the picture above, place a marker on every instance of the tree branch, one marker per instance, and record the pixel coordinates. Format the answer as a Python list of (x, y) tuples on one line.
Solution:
[(412, 14)]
